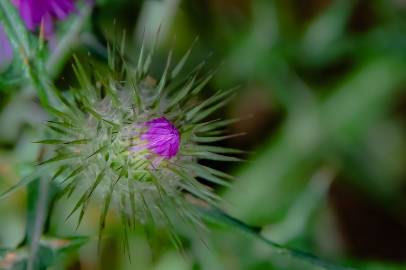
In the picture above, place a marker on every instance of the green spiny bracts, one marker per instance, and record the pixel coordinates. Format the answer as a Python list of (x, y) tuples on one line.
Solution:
[(134, 143)]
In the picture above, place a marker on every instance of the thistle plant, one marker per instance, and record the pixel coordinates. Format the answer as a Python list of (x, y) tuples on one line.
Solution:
[(132, 143)]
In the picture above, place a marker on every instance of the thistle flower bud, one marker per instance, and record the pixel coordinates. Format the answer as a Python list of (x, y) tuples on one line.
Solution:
[(162, 137), (134, 143)]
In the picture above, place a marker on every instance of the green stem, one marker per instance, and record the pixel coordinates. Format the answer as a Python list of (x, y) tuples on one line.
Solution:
[(219, 216)]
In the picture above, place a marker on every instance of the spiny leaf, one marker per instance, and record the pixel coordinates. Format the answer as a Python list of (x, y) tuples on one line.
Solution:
[(176, 84), (182, 61), (93, 112), (66, 102), (214, 156), (68, 189), (204, 82), (190, 184), (59, 172), (80, 141), (218, 96), (211, 109), (125, 223), (101, 149), (148, 60), (202, 172), (81, 75), (87, 194), (75, 172), (147, 209), (58, 157), (208, 126), (51, 141), (173, 237), (204, 139), (131, 190), (216, 149), (217, 172), (103, 215), (60, 114), (68, 125), (215, 132), (182, 93), (136, 92), (57, 141), (163, 80), (140, 64), (111, 123)]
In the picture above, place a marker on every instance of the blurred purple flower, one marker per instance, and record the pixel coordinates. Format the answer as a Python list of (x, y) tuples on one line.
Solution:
[(6, 52), (162, 137), (34, 12)]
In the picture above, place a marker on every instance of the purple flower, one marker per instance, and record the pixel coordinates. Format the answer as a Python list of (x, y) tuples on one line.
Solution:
[(6, 52), (162, 137), (34, 12)]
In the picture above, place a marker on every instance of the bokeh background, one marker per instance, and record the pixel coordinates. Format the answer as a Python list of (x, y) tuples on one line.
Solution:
[(322, 102)]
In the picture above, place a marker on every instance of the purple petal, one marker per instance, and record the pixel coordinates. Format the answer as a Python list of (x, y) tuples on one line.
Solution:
[(34, 12), (61, 8)]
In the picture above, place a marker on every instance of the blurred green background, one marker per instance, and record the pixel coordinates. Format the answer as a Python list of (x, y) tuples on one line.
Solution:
[(322, 102)]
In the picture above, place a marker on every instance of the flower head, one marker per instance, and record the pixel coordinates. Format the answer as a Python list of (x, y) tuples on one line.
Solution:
[(162, 137), (135, 144), (35, 12)]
